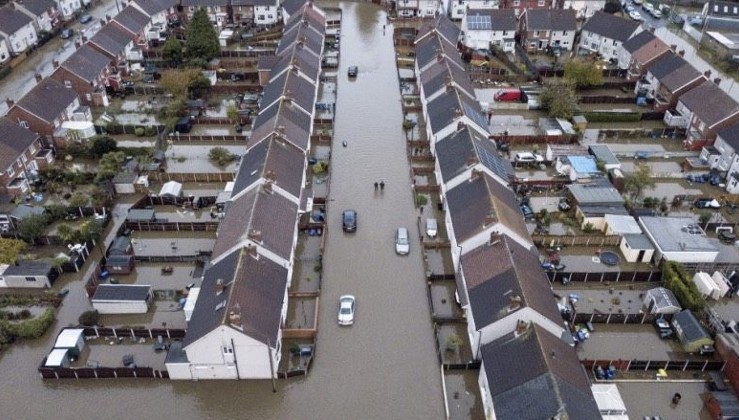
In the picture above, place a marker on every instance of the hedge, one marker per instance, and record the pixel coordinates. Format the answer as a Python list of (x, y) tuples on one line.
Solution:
[(32, 328), (686, 292), (613, 116)]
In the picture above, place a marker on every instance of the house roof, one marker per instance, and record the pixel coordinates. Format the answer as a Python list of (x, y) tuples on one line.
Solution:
[(622, 224), (307, 14), (611, 26), (691, 328), (480, 200), (551, 19), (441, 25), (305, 60), (681, 78), (22, 211), (465, 148), (710, 103), (676, 234), (87, 63), (604, 153), (37, 7), (275, 158), (204, 3), (121, 292), (433, 48), (292, 6), (29, 268), (285, 118), (271, 214), (152, 7), (119, 260), (539, 364), (47, 100), (14, 140), (595, 193), (254, 288), (12, 20), (600, 210), (448, 107), (723, 9), (663, 298), (665, 65), (730, 135), (303, 34), (501, 270), (132, 19), (491, 20), (68, 337), (112, 40), (290, 84), (645, 47), (638, 241), (141, 214), (443, 73)]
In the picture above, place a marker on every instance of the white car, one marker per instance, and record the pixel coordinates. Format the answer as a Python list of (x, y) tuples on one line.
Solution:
[(635, 16), (402, 243), (656, 14), (638, 2), (346, 310)]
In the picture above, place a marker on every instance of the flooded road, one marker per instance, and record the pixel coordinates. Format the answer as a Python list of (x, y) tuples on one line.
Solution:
[(383, 367)]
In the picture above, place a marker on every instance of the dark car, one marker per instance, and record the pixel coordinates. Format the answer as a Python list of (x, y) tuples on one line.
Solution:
[(86, 19), (663, 328), (349, 220), (67, 33), (527, 212), (706, 203), (727, 236), (564, 204), (353, 71)]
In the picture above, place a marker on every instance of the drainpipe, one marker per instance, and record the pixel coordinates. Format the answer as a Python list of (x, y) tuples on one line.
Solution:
[(479, 344), (236, 364), (271, 365)]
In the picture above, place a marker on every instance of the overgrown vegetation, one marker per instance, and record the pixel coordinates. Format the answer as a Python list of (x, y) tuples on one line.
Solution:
[(89, 318), (638, 181), (582, 74), (10, 249), (220, 156), (202, 43), (559, 99), (32, 227), (676, 279), (594, 117)]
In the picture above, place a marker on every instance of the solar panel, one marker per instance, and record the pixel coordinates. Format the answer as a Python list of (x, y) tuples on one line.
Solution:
[(479, 22), (475, 115), (493, 162)]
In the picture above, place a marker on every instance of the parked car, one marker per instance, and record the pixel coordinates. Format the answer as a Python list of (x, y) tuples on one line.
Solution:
[(727, 236), (86, 19), (67, 33), (527, 212), (432, 227), (509, 95), (641, 155), (656, 13), (528, 157), (706, 203), (706, 349), (402, 243), (353, 71), (636, 16), (346, 309), (663, 328), (349, 220), (564, 204)]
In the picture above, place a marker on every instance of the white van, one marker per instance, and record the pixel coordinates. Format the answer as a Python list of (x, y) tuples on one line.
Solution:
[(431, 227), (528, 157)]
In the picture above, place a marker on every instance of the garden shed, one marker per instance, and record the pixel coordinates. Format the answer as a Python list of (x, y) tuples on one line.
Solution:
[(58, 358), (122, 299), (71, 339), (125, 182), (141, 215), (120, 264), (690, 332), (661, 301), (121, 246), (636, 248), (171, 189), (39, 274)]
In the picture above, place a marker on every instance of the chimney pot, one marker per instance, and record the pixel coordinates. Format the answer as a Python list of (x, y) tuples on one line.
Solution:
[(474, 174), (38, 78), (55, 63), (717, 80), (255, 235), (489, 220), (252, 251), (707, 73), (220, 287), (9, 102), (681, 53), (521, 327)]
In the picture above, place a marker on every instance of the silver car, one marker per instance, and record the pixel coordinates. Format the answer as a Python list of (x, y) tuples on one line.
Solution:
[(402, 243), (346, 310)]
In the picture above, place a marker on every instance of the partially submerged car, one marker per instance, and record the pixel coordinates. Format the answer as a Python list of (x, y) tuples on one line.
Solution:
[(346, 309)]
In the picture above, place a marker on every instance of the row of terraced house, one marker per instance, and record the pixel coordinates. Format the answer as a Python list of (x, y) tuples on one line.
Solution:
[(235, 331), (529, 367)]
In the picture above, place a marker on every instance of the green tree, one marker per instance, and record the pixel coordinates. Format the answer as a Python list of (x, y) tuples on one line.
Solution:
[(559, 100), (32, 227), (66, 233), (177, 81), (10, 249), (580, 73), (232, 113), (91, 229), (79, 199), (172, 51), (638, 181), (704, 217), (221, 156), (102, 145), (202, 39), (109, 165)]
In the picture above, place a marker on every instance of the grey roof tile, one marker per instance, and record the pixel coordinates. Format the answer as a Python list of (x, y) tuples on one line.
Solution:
[(14, 140), (537, 363), (442, 26), (286, 119), (290, 84), (710, 103), (611, 26), (551, 19), (47, 100), (444, 72), (121, 292), (434, 48), (111, 39), (132, 19), (37, 7), (12, 20), (152, 7), (465, 148), (87, 63), (276, 158), (730, 135)]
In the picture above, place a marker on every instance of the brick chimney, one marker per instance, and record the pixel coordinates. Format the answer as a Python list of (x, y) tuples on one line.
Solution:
[(681, 53), (490, 219), (474, 174), (55, 64), (9, 102), (270, 176), (108, 18), (255, 235), (521, 327), (717, 81), (234, 317), (707, 73), (251, 250), (514, 302), (673, 47), (494, 239), (77, 44), (471, 160), (267, 187), (220, 287), (38, 77)]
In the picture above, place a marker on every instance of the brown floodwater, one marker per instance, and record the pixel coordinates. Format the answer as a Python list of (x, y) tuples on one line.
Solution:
[(382, 367)]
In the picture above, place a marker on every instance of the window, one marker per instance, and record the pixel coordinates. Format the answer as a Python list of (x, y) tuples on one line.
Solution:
[(30, 278), (541, 3), (564, 33), (516, 2), (32, 149), (269, 16), (227, 350), (23, 158), (67, 84), (260, 17), (715, 8), (10, 172), (536, 33), (565, 42), (23, 124), (505, 33)]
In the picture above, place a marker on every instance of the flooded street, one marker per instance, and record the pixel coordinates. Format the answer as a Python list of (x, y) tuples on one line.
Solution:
[(382, 367)]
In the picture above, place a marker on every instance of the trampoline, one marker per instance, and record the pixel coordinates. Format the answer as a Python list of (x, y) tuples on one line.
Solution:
[(609, 258)]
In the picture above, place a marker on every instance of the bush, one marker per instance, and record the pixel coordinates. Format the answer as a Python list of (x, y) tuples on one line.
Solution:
[(686, 292), (221, 156), (421, 200), (139, 131), (89, 318), (612, 116), (32, 328), (150, 131)]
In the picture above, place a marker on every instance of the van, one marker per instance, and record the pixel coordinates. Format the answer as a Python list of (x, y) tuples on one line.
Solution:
[(509, 95), (431, 228), (184, 125), (528, 157)]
